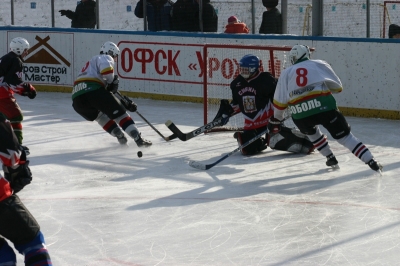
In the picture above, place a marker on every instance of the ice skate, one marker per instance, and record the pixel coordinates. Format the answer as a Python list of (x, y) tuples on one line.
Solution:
[(139, 140), (376, 166), (119, 134), (332, 162)]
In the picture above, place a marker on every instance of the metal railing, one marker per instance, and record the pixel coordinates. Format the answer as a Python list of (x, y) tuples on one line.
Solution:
[(346, 18)]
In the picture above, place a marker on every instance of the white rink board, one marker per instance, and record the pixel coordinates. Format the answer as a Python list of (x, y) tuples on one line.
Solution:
[(172, 63)]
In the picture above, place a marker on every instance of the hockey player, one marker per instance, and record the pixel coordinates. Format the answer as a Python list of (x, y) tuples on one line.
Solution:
[(306, 88), (16, 223), (94, 100), (11, 72), (252, 93)]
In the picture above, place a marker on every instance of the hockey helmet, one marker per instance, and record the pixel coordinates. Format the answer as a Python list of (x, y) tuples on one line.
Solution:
[(299, 53), (110, 49), (248, 65), (19, 45)]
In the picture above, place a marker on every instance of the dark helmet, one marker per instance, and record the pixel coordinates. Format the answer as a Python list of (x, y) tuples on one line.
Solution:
[(270, 3), (248, 65)]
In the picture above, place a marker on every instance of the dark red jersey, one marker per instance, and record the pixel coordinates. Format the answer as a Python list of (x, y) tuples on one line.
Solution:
[(9, 155), (254, 98)]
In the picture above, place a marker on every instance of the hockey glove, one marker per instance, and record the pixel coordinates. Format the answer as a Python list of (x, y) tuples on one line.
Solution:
[(129, 104), (274, 125), (29, 90), (225, 111), (19, 177), (113, 86)]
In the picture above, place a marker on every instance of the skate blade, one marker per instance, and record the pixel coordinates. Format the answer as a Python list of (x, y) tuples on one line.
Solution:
[(335, 167)]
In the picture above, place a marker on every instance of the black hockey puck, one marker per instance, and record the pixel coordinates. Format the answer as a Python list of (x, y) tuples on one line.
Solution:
[(139, 154)]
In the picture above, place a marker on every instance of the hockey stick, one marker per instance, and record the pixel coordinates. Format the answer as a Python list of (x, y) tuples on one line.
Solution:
[(186, 136), (201, 166), (125, 101), (173, 136)]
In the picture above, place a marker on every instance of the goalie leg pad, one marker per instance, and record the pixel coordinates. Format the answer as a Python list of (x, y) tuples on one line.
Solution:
[(291, 140), (253, 148)]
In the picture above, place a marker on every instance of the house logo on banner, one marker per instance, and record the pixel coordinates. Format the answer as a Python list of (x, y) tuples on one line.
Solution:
[(46, 65)]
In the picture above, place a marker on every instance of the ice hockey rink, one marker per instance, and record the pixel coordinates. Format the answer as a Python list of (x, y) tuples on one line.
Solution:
[(99, 204)]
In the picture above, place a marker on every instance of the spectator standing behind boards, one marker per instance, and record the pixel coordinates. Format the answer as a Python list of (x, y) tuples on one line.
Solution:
[(158, 14), (183, 16), (272, 18), (210, 17), (84, 15), (236, 26), (394, 31)]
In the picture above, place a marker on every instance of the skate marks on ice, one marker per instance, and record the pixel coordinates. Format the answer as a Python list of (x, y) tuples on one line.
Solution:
[(98, 204)]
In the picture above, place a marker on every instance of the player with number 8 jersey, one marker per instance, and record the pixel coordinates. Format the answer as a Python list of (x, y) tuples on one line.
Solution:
[(306, 88)]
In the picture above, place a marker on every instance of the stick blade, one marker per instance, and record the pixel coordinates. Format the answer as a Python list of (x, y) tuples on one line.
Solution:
[(198, 165), (175, 130), (173, 136)]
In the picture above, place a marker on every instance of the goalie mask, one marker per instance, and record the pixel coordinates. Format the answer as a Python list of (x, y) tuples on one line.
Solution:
[(299, 53), (110, 49), (248, 65), (19, 46)]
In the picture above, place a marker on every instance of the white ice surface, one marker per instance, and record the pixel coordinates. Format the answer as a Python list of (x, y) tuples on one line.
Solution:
[(99, 204)]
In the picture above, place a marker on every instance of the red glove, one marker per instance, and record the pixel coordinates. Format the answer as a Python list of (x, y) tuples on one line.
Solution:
[(29, 90)]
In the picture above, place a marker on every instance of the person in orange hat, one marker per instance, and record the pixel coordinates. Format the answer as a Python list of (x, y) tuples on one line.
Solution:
[(236, 26)]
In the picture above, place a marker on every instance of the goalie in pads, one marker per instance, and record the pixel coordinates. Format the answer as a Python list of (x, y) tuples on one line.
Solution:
[(252, 94)]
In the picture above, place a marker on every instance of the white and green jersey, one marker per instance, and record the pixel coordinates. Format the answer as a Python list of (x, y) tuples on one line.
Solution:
[(96, 74), (306, 88)]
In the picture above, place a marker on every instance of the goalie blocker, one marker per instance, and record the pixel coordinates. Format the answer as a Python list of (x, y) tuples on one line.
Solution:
[(287, 139)]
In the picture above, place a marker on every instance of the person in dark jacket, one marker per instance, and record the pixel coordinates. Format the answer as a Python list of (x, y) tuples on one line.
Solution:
[(158, 14), (394, 31), (210, 17), (272, 18), (184, 15), (84, 15)]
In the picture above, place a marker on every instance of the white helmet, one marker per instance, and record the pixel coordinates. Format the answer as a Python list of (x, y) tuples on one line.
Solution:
[(19, 45), (109, 48), (299, 52)]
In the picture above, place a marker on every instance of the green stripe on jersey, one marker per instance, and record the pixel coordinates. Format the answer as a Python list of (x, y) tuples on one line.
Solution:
[(313, 106), (84, 87)]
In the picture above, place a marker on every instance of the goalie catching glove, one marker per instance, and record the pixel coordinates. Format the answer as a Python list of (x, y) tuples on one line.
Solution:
[(225, 111), (113, 86), (274, 125)]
